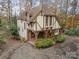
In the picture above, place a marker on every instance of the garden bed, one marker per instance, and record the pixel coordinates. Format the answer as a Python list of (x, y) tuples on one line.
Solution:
[(47, 42), (72, 32), (44, 43)]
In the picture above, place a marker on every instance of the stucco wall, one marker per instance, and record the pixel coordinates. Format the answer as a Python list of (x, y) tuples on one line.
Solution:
[(41, 23), (55, 23), (22, 31)]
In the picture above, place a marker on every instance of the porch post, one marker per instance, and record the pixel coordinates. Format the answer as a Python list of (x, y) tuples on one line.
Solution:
[(36, 35), (29, 35), (46, 33)]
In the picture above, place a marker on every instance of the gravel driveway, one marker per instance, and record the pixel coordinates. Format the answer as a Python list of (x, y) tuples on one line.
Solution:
[(67, 50)]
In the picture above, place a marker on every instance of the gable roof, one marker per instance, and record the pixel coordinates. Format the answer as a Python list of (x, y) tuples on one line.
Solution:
[(44, 9)]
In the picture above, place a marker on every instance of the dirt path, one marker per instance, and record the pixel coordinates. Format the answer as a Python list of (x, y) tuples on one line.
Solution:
[(67, 50), (10, 46)]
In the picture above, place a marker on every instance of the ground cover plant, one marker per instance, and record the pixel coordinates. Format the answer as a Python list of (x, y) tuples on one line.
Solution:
[(47, 42), (72, 32), (60, 38), (43, 43), (2, 40)]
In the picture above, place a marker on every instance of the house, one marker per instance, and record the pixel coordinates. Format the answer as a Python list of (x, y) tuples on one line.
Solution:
[(38, 22)]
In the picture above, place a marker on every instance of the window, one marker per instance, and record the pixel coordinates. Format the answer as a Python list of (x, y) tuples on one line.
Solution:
[(46, 20), (24, 26), (50, 20)]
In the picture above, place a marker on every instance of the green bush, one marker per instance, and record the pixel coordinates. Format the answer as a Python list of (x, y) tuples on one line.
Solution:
[(2, 41), (72, 32), (13, 30), (1, 24), (13, 27), (43, 43), (60, 38)]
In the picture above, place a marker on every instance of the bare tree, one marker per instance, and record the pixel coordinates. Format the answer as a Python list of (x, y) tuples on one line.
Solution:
[(74, 5), (3, 8), (25, 4)]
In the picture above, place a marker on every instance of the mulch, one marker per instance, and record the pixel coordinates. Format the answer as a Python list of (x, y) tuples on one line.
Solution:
[(2, 48)]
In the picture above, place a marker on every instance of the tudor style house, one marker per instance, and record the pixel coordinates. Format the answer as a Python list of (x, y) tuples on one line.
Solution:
[(38, 22)]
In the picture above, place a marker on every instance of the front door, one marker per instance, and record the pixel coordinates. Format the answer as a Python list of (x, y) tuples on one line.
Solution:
[(31, 35)]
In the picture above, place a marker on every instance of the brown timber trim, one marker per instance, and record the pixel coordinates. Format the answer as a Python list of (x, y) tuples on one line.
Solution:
[(36, 24), (54, 22), (36, 35), (46, 33), (29, 34), (39, 25), (43, 21)]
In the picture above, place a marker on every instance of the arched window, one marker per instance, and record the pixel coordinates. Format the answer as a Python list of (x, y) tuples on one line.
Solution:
[(24, 25)]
